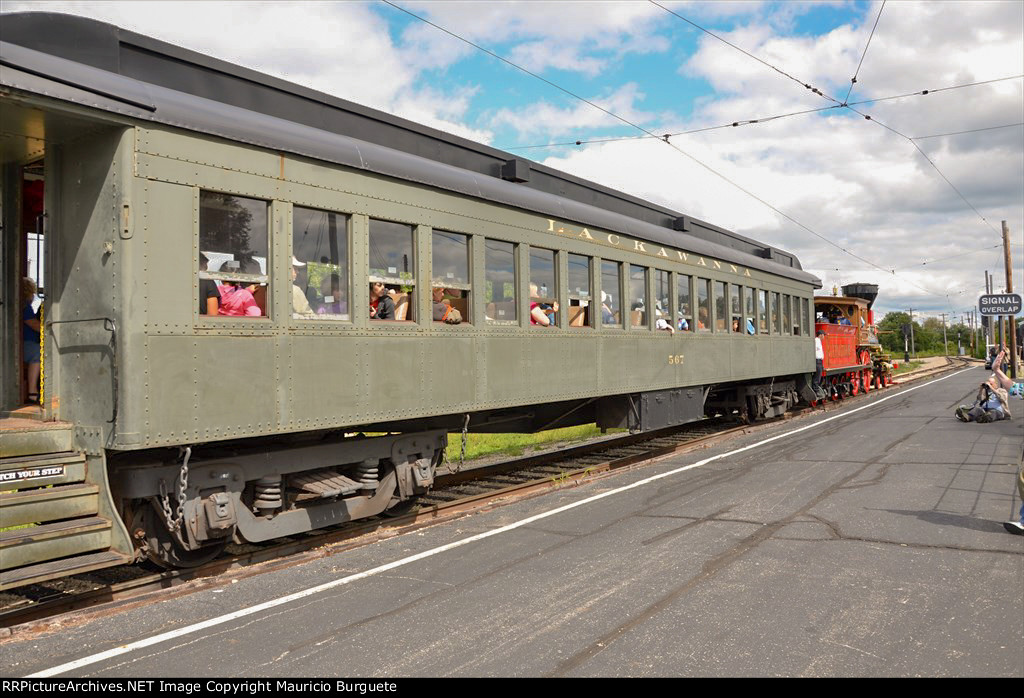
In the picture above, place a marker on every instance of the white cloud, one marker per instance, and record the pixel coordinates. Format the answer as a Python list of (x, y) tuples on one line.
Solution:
[(544, 118)]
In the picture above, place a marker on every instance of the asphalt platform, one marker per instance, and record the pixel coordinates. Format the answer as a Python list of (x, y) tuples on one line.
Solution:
[(866, 541)]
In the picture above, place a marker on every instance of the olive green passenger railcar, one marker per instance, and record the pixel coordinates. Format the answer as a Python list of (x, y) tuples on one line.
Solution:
[(167, 432)]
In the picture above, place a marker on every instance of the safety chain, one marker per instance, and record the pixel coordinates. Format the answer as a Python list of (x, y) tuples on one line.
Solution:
[(174, 520), (465, 438), (462, 453)]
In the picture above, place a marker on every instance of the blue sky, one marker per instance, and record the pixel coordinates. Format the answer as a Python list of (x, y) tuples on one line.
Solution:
[(859, 184)]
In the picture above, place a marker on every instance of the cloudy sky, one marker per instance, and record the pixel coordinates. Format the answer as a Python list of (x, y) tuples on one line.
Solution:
[(829, 173)]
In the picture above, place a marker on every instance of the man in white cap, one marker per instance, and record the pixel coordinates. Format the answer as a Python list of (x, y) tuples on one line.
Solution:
[(300, 305)]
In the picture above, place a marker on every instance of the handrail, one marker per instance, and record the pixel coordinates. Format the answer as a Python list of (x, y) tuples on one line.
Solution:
[(110, 326)]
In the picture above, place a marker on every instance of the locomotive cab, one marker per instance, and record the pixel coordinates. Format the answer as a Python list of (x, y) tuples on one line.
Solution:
[(854, 361)]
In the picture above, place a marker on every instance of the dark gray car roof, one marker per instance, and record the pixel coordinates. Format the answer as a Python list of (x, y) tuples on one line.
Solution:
[(105, 67)]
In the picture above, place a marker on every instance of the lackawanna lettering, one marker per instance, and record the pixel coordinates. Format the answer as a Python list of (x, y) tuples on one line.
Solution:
[(614, 240), (15, 475)]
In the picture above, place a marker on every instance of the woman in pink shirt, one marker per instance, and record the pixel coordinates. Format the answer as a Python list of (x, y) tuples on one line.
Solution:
[(236, 301)]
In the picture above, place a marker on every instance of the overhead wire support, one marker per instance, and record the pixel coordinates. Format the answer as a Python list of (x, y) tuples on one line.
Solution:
[(920, 93), (766, 119), (853, 80), (844, 103), (665, 137)]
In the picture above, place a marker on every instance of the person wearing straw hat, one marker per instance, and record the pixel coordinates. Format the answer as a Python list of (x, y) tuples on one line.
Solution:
[(300, 304)]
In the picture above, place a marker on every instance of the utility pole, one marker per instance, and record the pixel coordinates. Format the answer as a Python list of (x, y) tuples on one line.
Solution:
[(945, 344), (1012, 344), (990, 328), (913, 348)]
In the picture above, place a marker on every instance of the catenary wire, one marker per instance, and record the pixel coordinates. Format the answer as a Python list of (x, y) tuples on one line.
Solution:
[(973, 130), (920, 93), (670, 144), (853, 80), (766, 119), (833, 99), (798, 81)]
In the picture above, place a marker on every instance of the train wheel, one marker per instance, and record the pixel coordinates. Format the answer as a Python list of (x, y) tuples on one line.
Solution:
[(149, 530), (400, 507), (866, 380), (855, 385)]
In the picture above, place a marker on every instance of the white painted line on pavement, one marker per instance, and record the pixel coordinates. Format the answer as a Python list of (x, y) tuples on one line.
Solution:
[(273, 603)]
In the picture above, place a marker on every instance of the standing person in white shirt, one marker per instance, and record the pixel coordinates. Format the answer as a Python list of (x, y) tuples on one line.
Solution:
[(819, 360)]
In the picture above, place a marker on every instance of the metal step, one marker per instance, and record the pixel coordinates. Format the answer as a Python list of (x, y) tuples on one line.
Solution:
[(48, 504), (23, 546), (20, 437), (22, 472), (61, 568)]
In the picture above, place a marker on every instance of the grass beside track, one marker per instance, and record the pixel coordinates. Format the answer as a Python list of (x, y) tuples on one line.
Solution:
[(908, 367), (479, 445)]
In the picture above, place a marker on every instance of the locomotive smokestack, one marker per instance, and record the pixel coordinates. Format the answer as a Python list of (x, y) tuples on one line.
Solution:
[(866, 291)]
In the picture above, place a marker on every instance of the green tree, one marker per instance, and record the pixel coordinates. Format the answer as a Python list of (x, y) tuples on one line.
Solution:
[(890, 330)]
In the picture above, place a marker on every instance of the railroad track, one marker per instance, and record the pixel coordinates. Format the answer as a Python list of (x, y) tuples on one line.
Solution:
[(455, 493)]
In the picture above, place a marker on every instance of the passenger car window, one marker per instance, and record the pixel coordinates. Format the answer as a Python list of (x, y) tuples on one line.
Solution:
[(450, 273), (393, 265), (500, 281), (319, 272), (684, 300), (233, 244), (662, 297), (611, 303), (736, 306), (703, 305), (763, 312), (637, 294), (543, 286), (750, 301), (579, 291), (776, 317)]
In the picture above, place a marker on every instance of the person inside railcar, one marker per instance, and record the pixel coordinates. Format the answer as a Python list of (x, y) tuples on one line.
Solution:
[(607, 316), (30, 336), (702, 319), (442, 308), (236, 300), (300, 303), (209, 296), (381, 305), (542, 314), (333, 302)]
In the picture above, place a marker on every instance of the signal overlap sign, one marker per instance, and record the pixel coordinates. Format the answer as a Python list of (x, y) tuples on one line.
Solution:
[(999, 304)]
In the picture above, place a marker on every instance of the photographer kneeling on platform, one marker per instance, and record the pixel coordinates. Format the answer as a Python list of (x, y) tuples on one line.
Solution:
[(992, 403)]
